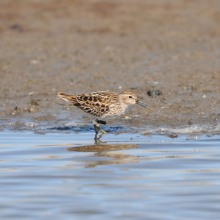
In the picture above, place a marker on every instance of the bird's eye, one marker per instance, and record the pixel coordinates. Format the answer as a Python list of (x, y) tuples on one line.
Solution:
[(130, 97)]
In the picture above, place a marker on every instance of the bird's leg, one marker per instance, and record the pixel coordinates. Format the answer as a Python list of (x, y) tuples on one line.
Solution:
[(96, 130), (96, 126), (96, 139), (103, 132)]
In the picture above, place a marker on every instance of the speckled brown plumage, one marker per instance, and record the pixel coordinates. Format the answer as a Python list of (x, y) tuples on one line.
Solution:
[(102, 104), (96, 103)]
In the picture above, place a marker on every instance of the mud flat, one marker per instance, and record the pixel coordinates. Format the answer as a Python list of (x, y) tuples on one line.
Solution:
[(167, 52)]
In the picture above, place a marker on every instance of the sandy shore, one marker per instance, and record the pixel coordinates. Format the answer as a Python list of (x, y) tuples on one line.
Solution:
[(83, 46)]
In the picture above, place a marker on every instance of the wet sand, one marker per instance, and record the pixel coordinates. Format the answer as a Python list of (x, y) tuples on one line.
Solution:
[(67, 176), (83, 46)]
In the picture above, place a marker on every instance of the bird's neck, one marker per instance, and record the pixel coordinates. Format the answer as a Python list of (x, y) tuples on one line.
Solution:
[(124, 106)]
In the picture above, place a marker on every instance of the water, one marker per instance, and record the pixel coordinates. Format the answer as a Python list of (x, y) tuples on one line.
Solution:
[(67, 176)]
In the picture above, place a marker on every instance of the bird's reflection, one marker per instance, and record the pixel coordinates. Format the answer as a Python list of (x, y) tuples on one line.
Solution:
[(103, 151), (101, 148)]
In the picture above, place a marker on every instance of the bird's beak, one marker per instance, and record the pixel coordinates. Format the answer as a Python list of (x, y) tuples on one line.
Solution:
[(141, 103)]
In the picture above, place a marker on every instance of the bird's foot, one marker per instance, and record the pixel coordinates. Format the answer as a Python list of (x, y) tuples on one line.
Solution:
[(97, 140)]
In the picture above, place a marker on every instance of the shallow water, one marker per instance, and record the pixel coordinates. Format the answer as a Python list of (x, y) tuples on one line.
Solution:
[(67, 176)]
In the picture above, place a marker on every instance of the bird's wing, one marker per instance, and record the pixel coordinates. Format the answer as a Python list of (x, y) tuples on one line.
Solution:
[(111, 97), (96, 103)]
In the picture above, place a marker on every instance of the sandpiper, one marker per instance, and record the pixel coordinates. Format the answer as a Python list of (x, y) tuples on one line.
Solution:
[(103, 104)]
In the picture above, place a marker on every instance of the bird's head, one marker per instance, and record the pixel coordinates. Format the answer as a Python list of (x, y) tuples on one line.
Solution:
[(129, 98)]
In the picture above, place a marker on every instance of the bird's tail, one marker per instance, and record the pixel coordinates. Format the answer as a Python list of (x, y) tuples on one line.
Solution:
[(69, 98)]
